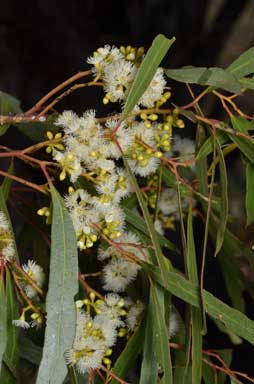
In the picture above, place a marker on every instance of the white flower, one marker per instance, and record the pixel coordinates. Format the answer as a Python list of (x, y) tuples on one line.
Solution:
[(168, 202), (133, 315), (151, 165), (118, 77), (7, 248), (123, 135), (102, 57), (184, 147), (118, 273), (35, 272), (158, 227), (21, 323), (69, 120), (155, 90), (69, 163)]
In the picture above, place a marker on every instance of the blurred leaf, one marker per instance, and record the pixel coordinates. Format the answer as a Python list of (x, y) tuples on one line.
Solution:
[(236, 340), (30, 351), (226, 355), (63, 285), (146, 71), (248, 82), (129, 355), (182, 376), (215, 77), (246, 146), (3, 319), (207, 147), (223, 200), (11, 355), (6, 184), (240, 124), (208, 373), (8, 105), (149, 367), (196, 315), (179, 286), (249, 201), (137, 222), (243, 65), (160, 333)]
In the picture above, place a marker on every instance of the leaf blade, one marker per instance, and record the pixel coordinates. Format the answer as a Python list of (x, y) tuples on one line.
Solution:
[(149, 65), (63, 285), (249, 200)]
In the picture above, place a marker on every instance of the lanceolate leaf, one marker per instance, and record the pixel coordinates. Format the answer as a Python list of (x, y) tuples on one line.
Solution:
[(137, 222), (249, 201), (3, 320), (246, 146), (223, 201), (196, 315), (149, 367), (159, 258), (160, 333), (128, 357), (147, 70), (179, 286), (6, 185), (214, 77), (11, 355), (243, 65), (207, 147), (60, 307)]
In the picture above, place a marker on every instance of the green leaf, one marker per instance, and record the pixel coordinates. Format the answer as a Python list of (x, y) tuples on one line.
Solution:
[(146, 71), (249, 201), (30, 351), (160, 333), (63, 286), (208, 373), (226, 355), (8, 104), (247, 82), (159, 258), (137, 222), (196, 315), (6, 185), (223, 200), (11, 355), (240, 124), (246, 146), (3, 319), (214, 77), (149, 367), (179, 286), (129, 355), (243, 65), (207, 147)]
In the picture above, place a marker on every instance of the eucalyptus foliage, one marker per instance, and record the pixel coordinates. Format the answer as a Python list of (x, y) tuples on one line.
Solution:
[(89, 291)]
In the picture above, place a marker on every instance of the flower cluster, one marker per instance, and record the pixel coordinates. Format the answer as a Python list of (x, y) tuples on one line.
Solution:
[(7, 248), (98, 324)]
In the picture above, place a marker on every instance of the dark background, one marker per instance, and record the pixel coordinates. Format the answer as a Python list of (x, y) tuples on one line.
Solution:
[(43, 42)]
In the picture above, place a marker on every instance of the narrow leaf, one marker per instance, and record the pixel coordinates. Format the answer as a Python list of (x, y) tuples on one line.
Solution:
[(249, 201), (159, 258), (223, 201), (147, 70), (207, 148), (129, 355), (196, 315), (137, 222), (160, 333), (179, 286), (11, 355), (243, 65), (246, 146), (63, 285), (149, 367), (214, 77), (6, 185), (3, 320)]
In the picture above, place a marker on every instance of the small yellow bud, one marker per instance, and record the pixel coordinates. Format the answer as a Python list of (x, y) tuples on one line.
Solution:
[(105, 100), (167, 95), (180, 123), (153, 117), (158, 154), (58, 136), (50, 135), (143, 116), (62, 175), (92, 296)]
